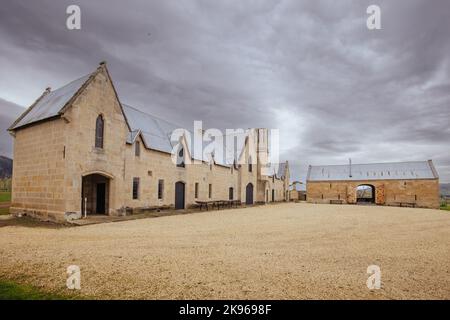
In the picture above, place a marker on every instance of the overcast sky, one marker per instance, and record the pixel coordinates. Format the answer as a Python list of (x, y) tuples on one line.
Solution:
[(312, 69)]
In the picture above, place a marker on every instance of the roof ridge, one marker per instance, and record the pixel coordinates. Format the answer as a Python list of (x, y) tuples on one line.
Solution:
[(370, 163), (150, 114)]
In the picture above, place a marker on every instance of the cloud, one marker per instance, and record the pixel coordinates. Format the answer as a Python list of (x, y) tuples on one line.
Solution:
[(309, 68)]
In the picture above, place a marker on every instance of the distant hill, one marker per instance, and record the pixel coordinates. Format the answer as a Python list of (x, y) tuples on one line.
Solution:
[(8, 113), (6, 165), (445, 189)]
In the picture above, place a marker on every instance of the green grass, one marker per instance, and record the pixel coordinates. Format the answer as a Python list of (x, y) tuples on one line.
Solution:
[(10, 290), (5, 196), (4, 211), (447, 207)]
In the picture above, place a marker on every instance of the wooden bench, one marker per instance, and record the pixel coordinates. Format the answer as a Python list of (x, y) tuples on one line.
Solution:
[(406, 204), (336, 201)]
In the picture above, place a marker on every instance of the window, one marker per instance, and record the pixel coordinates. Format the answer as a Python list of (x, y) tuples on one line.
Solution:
[(160, 189), (210, 191), (196, 190), (250, 168), (99, 130), (180, 158), (137, 149), (135, 188), (230, 193)]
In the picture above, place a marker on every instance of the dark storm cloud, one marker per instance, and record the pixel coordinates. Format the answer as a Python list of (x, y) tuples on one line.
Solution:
[(310, 68), (8, 113)]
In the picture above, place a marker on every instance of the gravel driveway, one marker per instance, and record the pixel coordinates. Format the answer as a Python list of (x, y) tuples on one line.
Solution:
[(283, 251)]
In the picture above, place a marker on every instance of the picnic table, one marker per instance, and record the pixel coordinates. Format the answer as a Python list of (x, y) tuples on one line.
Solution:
[(217, 204)]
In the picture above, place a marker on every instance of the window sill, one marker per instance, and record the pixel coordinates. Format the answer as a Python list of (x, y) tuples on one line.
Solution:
[(98, 150)]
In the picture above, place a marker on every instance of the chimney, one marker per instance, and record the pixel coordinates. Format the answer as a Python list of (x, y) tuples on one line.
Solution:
[(350, 167)]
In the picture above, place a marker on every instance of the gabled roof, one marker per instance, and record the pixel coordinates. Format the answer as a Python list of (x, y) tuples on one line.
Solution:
[(50, 103), (412, 170)]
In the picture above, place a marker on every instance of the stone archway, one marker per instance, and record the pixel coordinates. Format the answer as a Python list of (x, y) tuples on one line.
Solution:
[(95, 191), (365, 193)]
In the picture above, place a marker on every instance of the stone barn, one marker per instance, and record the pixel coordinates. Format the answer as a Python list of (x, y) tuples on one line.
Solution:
[(78, 150), (414, 184)]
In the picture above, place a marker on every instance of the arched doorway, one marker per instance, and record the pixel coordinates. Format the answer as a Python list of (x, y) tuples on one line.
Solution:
[(365, 193), (273, 195), (95, 194), (249, 194), (179, 195)]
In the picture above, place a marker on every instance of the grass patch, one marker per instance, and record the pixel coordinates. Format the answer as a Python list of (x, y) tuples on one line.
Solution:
[(447, 207), (4, 211), (10, 290), (5, 196)]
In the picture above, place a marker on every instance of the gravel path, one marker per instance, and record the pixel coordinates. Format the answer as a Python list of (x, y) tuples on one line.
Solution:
[(284, 251)]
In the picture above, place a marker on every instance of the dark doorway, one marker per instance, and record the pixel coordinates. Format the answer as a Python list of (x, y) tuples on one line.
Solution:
[(230, 194), (249, 194), (179, 195), (95, 194), (273, 195), (101, 198), (365, 193)]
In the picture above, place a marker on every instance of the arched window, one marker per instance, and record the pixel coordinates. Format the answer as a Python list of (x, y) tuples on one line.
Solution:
[(99, 131), (250, 169)]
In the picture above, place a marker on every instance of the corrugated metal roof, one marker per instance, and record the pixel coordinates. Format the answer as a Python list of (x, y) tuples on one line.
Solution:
[(51, 103), (374, 171)]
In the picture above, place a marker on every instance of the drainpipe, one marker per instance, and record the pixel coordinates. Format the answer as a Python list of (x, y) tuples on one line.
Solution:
[(85, 207)]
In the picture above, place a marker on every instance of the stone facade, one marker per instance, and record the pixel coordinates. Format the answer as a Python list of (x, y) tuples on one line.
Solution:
[(58, 172), (421, 192)]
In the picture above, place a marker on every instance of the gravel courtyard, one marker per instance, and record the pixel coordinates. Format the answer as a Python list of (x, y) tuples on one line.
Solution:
[(283, 251)]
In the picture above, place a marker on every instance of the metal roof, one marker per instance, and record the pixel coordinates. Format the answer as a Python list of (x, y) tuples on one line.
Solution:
[(374, 171), (155, 132), (50, 104)]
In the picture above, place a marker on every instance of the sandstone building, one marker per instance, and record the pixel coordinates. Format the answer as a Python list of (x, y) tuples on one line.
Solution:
[(78, 149), (397, 184)]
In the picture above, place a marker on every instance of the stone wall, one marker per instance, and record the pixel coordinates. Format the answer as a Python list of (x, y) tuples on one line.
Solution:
[(38, 170), (424, 192)]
